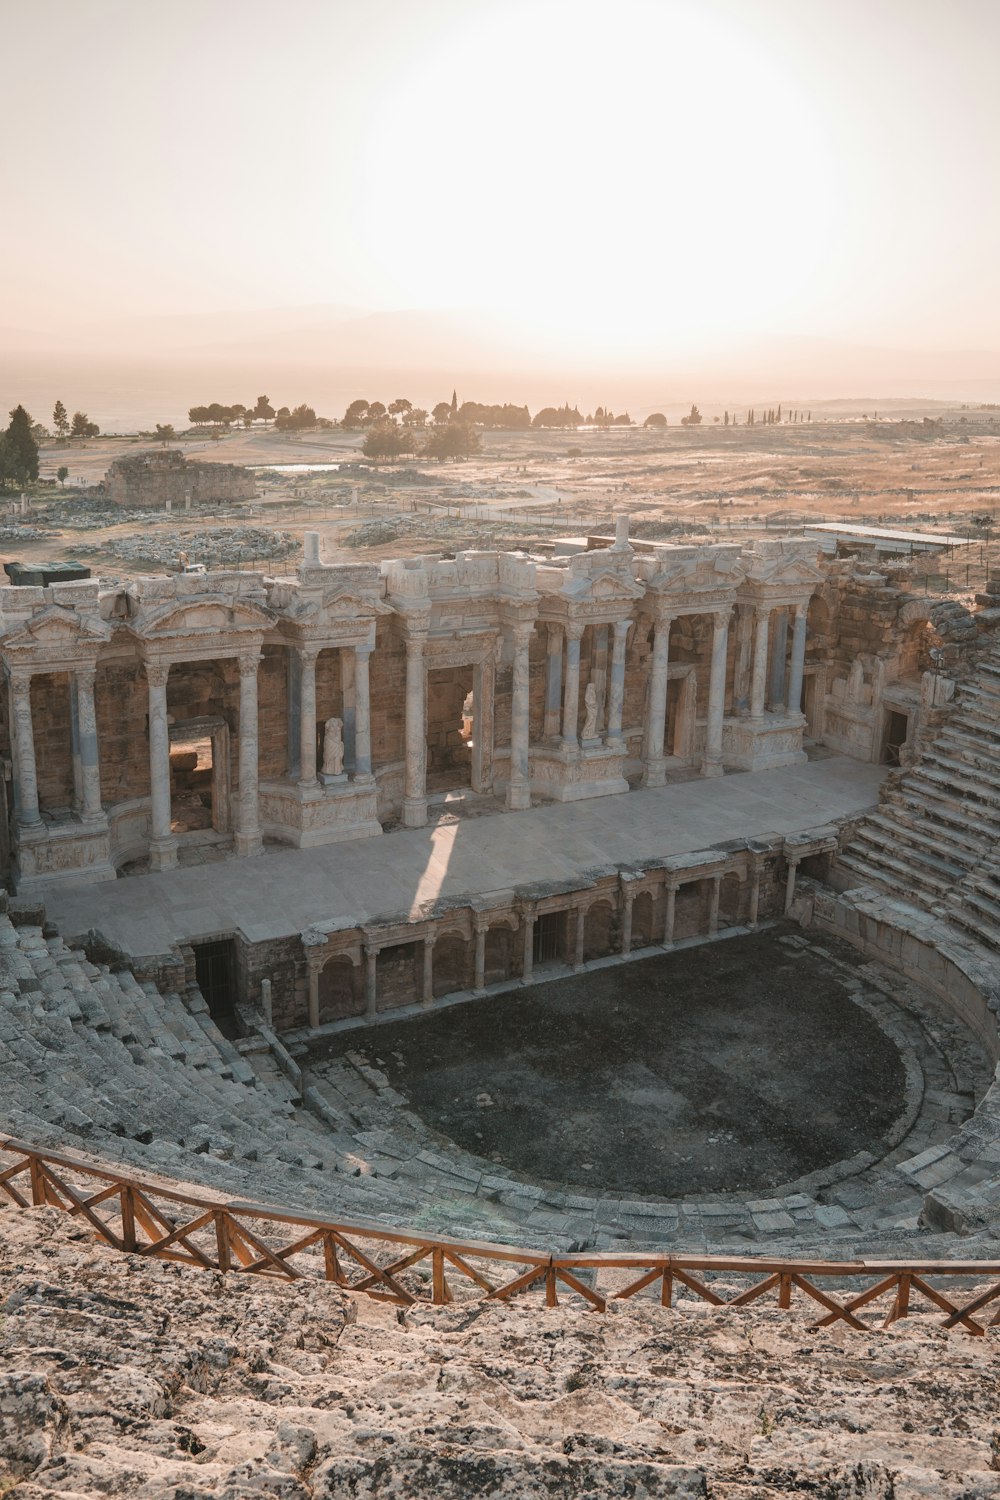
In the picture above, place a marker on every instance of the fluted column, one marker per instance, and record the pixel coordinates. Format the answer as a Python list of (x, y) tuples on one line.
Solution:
[(362, 716), (518, 784), (415, 772), (798, 660), (571, 687), (553, 680), (162, 844), (27, 773), (712, 762), (616, 694), (758, 686), (778, 649), (248, 835), (307, 717), (656, 705), (90, 766)]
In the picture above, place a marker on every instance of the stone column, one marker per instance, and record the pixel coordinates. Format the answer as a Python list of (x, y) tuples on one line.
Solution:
[(653, 773), (162, 844), (90, 766), (754, 893), (363, 716), (744, 652), (427, 985), (798, 661), (27, 774), (553, 680), (713, 906), (793, 865), (348, 710), (668, 926), (571, 687), (616, 695), (627, 899), (518, 784), (712, 763), (313, 995), (581, 924), (74, 736), (778, 649), (528, 949), (371, 981), (248, 835), (758, 687), (480, 979), (307, 718), (415, 774)]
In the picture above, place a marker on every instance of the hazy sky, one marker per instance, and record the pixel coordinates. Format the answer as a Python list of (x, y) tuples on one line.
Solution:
[(699, 171)]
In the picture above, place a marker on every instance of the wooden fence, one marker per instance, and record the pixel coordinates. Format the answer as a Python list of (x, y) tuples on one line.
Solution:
[(147, 1218)]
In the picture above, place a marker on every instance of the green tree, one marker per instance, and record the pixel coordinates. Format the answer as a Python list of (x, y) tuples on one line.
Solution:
[(386, 440), (441, 413), (263, 409), (21, 448), (400, 407), (355, 414), (83, 427), (165, 433), (62, 473), (655, 419), (376, 411), (60, 420), (693, 418), (454, 403), (452, 441)]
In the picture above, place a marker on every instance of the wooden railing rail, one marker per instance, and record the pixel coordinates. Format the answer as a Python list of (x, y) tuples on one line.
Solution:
[(142, 1217)]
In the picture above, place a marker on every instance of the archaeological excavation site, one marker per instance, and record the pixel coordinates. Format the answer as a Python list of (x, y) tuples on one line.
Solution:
[(501, 1023)]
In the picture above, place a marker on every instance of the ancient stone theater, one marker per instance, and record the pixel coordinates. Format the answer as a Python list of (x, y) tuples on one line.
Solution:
[(617, 924)]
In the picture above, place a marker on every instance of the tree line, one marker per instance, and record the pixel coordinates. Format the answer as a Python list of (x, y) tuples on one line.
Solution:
[(285, 419)]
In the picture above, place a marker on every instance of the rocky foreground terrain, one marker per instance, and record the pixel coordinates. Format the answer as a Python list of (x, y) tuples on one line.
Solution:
[(124, 1377)]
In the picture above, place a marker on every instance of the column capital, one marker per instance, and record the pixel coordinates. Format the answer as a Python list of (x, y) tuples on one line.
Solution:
[(481, 921), (308, 651), (521, 631), (574, 629), (722, 615), (801, 610), (762, 612), (157, 672), (86, 673), (364, 648), (249, 662), (416, 640)]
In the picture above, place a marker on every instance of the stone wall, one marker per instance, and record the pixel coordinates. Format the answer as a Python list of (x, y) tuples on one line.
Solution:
[(152, 480)]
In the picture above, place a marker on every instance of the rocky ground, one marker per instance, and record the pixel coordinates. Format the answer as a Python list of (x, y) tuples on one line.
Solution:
[(123, 1377)]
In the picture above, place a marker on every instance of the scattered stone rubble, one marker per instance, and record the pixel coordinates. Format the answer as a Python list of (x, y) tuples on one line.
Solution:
[(222, 546)]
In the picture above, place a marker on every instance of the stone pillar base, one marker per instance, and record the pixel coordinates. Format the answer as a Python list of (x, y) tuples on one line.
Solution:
[(247, 845), (414, 812), (518, 798), (654, 773), (712, 767), (162, 854)]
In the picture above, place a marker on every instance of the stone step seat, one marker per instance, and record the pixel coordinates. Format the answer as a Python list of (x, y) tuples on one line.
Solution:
[(970, 750), (978, 916), (932, 838), (934, 804), (892, 871), (916, 855), (937, 758), (977, 721), (954, 785)]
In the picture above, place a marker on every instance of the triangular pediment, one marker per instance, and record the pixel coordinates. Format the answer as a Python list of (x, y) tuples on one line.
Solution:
[(56, 627)]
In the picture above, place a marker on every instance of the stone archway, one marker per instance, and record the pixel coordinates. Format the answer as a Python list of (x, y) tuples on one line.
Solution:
[(452, 964), (341, 992), (599, 930)]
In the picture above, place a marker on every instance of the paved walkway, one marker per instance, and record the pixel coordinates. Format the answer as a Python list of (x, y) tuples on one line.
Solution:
[(290, 889)]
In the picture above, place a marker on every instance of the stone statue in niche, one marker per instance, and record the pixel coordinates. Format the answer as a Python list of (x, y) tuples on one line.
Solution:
[(590, 718), (333, 748)]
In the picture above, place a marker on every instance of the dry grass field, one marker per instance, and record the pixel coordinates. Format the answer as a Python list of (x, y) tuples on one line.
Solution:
[(524, 488)]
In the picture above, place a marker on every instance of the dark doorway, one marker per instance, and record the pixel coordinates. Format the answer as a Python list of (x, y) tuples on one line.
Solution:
[(547, 937), (215, 970), (895, 738)]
